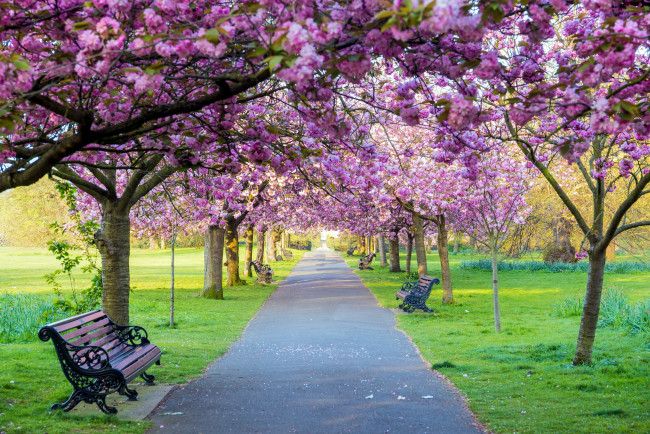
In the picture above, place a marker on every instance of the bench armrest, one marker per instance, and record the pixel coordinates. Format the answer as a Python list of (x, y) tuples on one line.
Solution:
[(408, 286), (132, 335)]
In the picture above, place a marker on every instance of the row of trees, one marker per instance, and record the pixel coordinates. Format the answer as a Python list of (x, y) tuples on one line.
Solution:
[(121, 98)]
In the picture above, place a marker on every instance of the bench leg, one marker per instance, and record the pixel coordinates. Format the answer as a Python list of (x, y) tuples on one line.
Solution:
[(148, 378), (78, 396), (71, 403), (131, 395)]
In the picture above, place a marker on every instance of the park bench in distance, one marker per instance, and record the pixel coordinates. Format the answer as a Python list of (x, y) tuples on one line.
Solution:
[(415, 294), (100, 357), (264, 272), (364, 262)]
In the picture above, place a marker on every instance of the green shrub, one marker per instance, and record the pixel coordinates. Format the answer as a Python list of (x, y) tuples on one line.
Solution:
[(556, 267), (615, 311), (570, 306), (21, 315)]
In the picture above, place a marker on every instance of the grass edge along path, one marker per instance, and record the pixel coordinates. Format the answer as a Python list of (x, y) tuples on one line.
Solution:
[(31, 378), (521, 380)]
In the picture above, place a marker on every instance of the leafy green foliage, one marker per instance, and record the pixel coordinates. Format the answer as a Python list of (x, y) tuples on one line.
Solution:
[(90, 297), (616, 311), (22, 314), (556, 267)]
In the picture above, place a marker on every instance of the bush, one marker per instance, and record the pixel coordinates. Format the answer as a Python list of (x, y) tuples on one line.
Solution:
[(21, 315), (615, 311), (556, 267)]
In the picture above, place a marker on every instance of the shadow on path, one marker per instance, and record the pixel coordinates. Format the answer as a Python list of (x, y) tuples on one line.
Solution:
[(320, 356)]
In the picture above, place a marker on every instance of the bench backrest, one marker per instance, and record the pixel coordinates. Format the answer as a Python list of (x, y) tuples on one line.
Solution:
[(260, 268), (424, 285)]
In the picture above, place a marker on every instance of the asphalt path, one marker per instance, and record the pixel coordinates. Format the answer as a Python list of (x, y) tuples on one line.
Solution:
[(320, 356)]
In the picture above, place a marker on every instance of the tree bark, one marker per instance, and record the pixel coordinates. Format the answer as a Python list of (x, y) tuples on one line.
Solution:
[(409, 252), (420, 250), (113, 242), (171, 297), (456, 242), (443, 253), (261, 235), (153, 244), (381, 242), (495, 285), (361, 245), (248, 272), (589, 321), (232, 253), (275, 238), (213, 259), (393, 245)]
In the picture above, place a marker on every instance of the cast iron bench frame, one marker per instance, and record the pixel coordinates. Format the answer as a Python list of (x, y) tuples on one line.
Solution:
[(365, 261), (264, 272), (415, 294), (99, 357)]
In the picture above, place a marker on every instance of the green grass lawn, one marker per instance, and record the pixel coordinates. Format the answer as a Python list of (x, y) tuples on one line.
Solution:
[(521, 379), (31, 378)]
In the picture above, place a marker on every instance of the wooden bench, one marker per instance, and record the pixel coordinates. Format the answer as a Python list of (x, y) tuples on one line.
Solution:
[(99, 357), (415, 294), (364, 262), (264, 272), (288, 255), (351, 250)]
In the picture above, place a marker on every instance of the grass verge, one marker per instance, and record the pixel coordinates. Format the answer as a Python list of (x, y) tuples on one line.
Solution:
[(521, 380), (31, 378)]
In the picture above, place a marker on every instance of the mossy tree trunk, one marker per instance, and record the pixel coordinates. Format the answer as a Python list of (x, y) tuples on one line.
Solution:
[(381, 242), (261, 235), (443, 253), (393, 250), (113, 241), (420, 250), (213, 260), (248, 272), (409, 251), (232, 252)]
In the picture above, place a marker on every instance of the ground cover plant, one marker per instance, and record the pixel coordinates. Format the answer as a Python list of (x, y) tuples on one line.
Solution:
[(521, 379), (31, 378)]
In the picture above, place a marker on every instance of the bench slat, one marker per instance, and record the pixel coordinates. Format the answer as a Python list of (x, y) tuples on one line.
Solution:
[(76, 321), (85, 329), (87, 338)]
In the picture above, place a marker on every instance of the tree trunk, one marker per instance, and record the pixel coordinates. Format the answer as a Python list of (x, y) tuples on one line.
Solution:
[(420, 250), (232, 253), (213, 259), (393, 246), (495, 285), (589, 321), (443, 253), (260, 245), (153, 244), (409, 252), (456, 242), (248, 272), (162, 243), (275, 238), (381, 242), (360, 245), (113, 242), (171, 298)]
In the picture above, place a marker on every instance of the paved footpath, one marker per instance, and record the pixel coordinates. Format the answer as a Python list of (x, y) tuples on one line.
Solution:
[(320, 356)]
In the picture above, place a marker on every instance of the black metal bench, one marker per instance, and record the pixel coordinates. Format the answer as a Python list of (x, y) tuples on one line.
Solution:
[(99, 357), (288, 255), (415, 294), (264, 272), (364, 262)]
